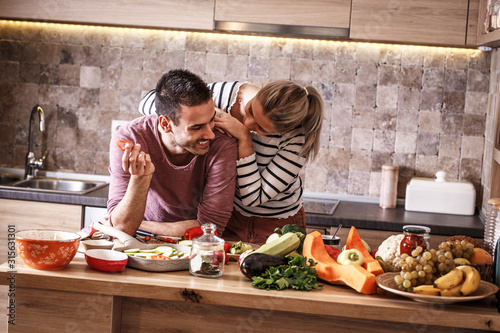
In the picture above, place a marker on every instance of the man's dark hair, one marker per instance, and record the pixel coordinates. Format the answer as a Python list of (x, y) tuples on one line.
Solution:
[(179, 87)]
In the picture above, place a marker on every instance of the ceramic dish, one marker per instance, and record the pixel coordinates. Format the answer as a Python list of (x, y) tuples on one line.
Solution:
[(97, 244), (143, 263), (386, 282), (46, 249), (106, 260)]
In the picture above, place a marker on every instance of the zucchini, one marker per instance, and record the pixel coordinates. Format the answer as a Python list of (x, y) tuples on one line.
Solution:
[(281, 246)]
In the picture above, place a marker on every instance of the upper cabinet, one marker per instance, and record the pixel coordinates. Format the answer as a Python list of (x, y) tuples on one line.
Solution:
[(488, 25), (186, 14), (434, 22), (328, 18), (441, 22), (317, 13)]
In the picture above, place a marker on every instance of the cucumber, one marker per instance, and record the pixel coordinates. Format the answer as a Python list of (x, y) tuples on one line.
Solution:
[(281, 246)]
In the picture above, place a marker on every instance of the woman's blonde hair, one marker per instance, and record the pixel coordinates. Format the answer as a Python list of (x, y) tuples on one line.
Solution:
[(288, 105)]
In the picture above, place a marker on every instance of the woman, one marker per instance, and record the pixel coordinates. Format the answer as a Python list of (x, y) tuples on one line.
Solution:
[(278, 128)]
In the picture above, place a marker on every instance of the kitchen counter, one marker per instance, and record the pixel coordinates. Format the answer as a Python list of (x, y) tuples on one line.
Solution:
[(371, 216), (79, 298), (362, 215), (97, 198)]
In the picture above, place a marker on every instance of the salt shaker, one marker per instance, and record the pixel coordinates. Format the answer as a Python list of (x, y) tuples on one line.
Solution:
[(492, 225), (207, 254), (389, 186)]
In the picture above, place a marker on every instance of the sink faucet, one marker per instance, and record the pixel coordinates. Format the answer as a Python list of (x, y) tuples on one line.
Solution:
[(32, 164)]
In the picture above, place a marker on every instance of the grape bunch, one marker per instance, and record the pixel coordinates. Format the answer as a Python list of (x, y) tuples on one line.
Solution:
[(459, 248), (423, 267)]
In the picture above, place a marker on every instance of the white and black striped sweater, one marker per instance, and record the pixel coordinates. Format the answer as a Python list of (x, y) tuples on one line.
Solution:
[(268, 183)]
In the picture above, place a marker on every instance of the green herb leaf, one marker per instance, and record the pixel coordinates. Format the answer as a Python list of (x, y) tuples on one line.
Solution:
[(297, 275)]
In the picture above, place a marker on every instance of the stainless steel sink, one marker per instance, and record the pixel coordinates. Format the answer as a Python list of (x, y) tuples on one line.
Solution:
[(6, 178), (54, 185)]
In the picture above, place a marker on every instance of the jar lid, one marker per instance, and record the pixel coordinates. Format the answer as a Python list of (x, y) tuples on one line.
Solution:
[(414, 230), (427, 229)]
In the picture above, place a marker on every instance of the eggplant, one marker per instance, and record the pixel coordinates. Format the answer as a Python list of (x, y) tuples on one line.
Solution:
[(256, 264)]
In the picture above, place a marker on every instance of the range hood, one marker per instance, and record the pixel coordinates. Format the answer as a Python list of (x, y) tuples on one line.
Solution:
[(281, 30)]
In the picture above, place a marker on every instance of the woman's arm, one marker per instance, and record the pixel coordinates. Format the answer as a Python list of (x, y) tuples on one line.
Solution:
[(280, 165)]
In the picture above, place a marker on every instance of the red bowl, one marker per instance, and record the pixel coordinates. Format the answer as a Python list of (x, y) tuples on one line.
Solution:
[(106, 260)]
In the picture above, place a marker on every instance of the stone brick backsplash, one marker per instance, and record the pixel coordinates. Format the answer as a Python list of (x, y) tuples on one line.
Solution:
[(423, 108)]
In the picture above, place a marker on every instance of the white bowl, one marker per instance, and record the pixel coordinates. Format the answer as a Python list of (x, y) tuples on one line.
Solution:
[(97, 244)]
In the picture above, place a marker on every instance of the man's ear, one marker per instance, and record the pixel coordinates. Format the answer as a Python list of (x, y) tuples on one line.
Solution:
[(165, 124)]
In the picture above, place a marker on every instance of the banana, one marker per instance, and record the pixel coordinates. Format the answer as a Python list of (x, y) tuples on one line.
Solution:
[(452, 292), (427, 289), (450, 280), (472, 279)]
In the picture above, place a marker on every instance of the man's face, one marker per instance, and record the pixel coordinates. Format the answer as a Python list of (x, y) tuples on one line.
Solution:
[(195, 128)]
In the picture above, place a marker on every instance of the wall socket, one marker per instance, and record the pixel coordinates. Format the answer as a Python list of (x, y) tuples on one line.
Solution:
[(116, 124)]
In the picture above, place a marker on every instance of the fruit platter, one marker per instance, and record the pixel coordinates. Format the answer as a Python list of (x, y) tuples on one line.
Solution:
[(485, 289)]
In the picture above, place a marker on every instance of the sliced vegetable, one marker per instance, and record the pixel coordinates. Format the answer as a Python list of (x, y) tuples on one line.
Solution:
[(239, 247), (159, 257), (350, 257), (122, 144), (331, 271), (354, 242)]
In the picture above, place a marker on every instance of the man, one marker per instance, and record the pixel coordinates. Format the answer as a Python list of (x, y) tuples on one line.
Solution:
[(176, 172)]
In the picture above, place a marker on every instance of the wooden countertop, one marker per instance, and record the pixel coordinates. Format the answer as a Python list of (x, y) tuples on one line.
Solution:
[(235, 290)]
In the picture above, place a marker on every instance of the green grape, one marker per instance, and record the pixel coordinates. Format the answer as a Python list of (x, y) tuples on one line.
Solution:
[(399, 279), (427, 255), (407, 284)]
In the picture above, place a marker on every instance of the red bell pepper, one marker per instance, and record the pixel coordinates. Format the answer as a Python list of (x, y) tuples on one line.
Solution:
[(194, 232), (332, 251)]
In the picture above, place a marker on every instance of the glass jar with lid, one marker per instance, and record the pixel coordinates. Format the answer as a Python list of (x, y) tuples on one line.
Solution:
[(207, 254), (413, 237)]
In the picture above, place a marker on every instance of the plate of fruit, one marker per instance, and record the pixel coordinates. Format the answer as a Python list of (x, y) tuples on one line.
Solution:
[(430, 294), (437, 276)]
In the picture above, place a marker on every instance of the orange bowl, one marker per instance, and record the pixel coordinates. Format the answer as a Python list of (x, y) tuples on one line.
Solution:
[(46, 249)]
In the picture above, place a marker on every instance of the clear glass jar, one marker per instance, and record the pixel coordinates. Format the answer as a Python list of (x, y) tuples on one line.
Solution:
[(207, 254), (414, 236), (492, 225), (427, 234)]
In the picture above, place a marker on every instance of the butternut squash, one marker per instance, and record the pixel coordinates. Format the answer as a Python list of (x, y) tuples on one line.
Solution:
[(370, 264), (332, 272)]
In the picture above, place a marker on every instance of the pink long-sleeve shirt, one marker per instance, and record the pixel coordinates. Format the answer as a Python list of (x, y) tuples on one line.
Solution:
[(202, 190)]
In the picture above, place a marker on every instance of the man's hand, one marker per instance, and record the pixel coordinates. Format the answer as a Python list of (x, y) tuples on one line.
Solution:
[(137, 162)]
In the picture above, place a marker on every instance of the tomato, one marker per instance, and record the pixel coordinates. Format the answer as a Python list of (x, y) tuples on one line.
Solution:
[(374, 254)]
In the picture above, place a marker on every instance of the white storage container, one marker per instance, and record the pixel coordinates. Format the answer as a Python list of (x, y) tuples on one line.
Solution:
[(440, 196)]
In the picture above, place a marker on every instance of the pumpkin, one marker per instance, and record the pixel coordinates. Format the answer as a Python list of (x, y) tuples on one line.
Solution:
[(370, 264), (332, 272)]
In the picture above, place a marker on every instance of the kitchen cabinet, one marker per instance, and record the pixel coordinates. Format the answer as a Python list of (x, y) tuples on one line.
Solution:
[(441, 22), (491, 38), (186, 14), (314, 13), (22, 214), (495, 163)]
